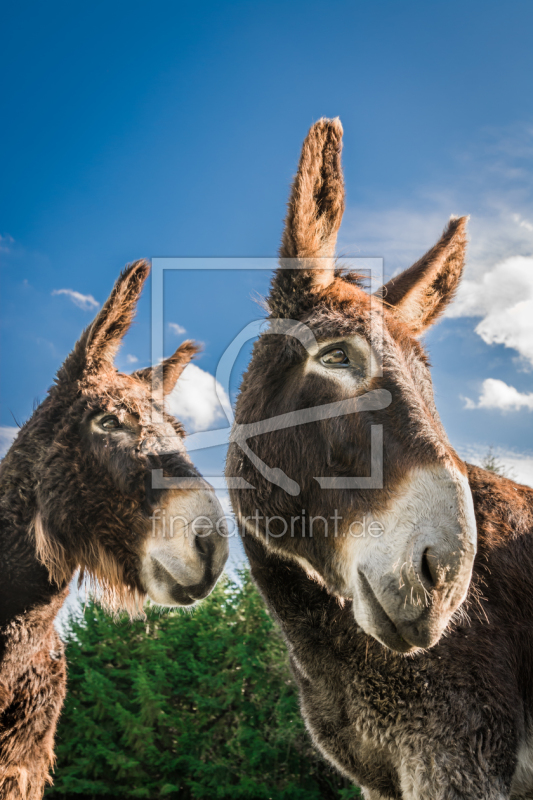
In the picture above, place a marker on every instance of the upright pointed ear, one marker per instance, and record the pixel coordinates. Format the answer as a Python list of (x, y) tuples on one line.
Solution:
[(113, 321), (98, 345), (315, 210), (171, 368), (420, 294)]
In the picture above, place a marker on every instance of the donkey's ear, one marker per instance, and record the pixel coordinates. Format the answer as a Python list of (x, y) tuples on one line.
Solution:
[(98, 345), (171, 368), (315, 210), (420, 294), (112, 322)]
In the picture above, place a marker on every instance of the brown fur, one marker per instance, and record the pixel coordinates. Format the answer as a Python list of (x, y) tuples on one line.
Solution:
[(32, 689), (71, 499), (445, 723)]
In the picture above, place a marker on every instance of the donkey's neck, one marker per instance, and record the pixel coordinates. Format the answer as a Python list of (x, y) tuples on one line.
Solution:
[(29, 604), (24, 581)]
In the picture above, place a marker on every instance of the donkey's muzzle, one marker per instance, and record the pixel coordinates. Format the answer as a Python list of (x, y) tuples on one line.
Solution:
[(411, 580), (187, 550), (412, 610)]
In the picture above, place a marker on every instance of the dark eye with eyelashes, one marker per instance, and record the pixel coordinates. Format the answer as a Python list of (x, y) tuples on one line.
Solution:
[(110, 423), (336, 357)]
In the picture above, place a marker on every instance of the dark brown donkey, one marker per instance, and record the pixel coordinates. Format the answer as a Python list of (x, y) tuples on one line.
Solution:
[(414, 655), (76, 492)]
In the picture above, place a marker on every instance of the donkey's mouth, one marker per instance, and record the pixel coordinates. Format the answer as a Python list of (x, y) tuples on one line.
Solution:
[(377, 622), (178, 593)]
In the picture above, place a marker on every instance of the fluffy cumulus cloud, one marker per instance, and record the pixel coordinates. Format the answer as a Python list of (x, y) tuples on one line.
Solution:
[(85, 301), (196, 400), (503, 297), (498, 394), (7, 434)]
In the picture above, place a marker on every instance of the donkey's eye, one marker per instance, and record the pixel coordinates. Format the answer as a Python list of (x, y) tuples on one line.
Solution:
[(110, 423), (335, 358)]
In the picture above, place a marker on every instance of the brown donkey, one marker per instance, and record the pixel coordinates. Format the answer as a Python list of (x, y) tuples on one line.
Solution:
[(413, 655), (76, 492)]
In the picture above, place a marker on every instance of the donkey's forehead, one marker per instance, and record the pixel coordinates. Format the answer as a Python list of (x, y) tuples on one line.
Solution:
[(345, 308), (117, 390), (124, 394), (345, 295), (342, 310)]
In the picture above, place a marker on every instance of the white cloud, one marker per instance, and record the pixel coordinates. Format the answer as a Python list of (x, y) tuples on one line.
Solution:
[(179, 330), (194, 399), (497, 394), (503, 298), (7, 434), (85, 301), (131, 359)]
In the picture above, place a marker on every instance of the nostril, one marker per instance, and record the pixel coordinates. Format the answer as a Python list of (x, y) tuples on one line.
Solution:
[(428, 569), (203, 544)]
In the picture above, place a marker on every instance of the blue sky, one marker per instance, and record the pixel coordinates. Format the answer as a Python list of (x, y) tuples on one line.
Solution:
[(173, 129)]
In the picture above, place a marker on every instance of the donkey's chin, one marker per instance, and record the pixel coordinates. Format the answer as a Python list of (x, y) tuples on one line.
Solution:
[(401, 638), (375, 621), (406, 635)]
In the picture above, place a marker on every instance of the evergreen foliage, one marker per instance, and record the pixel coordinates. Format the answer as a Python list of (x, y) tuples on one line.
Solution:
[(186, 705)]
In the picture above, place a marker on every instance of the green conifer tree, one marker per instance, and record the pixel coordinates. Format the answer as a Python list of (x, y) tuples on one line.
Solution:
[(185, 706)]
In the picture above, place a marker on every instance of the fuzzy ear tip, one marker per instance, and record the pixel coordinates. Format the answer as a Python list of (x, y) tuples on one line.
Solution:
[(141, 268), (459, 222), (324, 124), (190, 346), (136, 270)]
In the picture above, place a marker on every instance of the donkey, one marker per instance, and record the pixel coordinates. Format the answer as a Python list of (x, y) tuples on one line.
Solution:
[(76, 492), (410, 622)]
